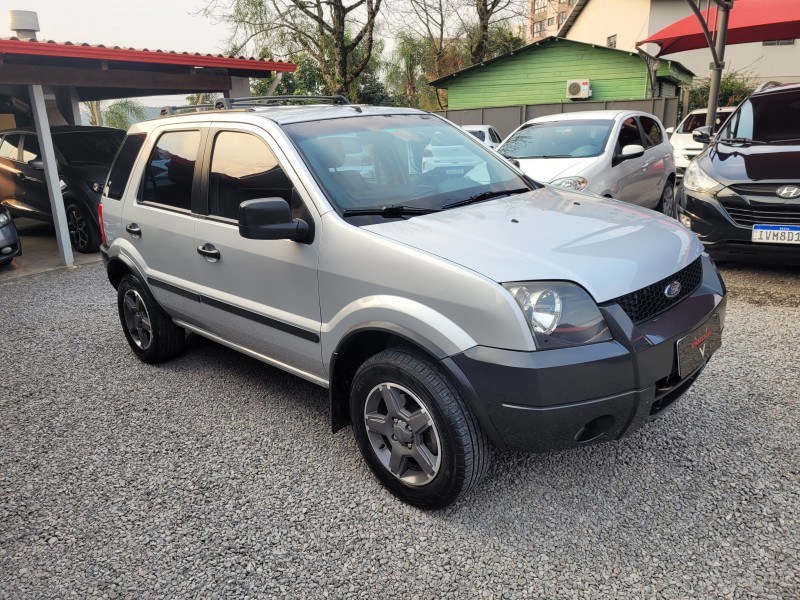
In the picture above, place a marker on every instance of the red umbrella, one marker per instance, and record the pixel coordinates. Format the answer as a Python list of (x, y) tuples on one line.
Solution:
[(750, 21)]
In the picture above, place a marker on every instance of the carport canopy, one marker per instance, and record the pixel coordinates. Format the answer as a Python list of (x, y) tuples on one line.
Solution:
[(82, 72)]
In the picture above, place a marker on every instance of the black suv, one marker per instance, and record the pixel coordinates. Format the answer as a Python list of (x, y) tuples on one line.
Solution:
[(84, 156), (742, 194)]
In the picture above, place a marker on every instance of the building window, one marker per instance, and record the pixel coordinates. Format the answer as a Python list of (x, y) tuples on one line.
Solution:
[(539, 5), (562, 16), (551, 21), (778, 43), (611, 41), (538, 28)]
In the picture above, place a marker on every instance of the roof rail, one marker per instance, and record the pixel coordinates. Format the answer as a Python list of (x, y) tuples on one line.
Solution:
[(174, 110), (228, 103), (767, 84)]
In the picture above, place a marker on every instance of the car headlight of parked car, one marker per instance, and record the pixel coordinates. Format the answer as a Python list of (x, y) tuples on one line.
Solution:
[(95, 186), (559, 314), (5, 218), (571, 183), (697, 180)]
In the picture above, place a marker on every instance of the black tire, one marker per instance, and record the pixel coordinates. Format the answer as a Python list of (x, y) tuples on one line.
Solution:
[(84, 234), (6, 261), (455, 448), (149, 330), (667, 204)]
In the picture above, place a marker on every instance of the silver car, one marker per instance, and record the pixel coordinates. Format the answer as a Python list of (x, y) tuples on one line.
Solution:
[(447, 311), (620, 154)]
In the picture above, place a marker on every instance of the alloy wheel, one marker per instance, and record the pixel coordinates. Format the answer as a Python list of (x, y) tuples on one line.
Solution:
[(137, 319), (78, 228), (402, 434)]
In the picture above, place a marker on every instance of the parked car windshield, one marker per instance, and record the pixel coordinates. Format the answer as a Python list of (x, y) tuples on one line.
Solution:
[(410, 160), (772, 118), (558, 139), (89, 147), (692, 122)]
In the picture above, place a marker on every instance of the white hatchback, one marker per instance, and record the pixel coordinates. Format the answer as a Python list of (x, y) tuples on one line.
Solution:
[(618, 154), (685, 148)]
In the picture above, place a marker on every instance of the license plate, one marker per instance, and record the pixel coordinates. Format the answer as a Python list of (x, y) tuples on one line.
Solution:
[(776, 234), (697, 347)]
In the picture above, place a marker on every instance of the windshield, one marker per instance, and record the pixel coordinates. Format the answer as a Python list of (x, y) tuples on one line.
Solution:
[(558, 139), (89, 147), (693, 121), (772, 118), (410, 160)]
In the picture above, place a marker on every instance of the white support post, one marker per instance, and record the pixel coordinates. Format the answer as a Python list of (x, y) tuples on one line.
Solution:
[(51, 173)]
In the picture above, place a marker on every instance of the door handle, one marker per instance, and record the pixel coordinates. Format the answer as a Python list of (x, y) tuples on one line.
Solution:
[(210, 253), (20, 176), (134, 230)]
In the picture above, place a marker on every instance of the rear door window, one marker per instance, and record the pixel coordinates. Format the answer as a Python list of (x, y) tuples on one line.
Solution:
[(629, 134), (30, 149), (652, 132), (169, 173)]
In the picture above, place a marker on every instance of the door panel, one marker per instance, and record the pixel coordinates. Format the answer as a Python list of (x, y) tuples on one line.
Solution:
[(631, 174), (35, 184), (260, 294)]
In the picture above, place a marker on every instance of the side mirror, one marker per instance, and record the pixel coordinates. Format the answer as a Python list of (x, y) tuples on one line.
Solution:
[(271, 219), (702, 135), (670, 130), (36, 163), (631, 151)]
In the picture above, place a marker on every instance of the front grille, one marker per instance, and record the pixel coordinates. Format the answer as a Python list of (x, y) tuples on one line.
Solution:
[(650, 301), (762, 214), (758, 189)]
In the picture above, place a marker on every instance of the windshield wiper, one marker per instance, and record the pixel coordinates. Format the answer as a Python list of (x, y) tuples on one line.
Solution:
[(395, 210), (740, 140), (541, 156), (485, 196)]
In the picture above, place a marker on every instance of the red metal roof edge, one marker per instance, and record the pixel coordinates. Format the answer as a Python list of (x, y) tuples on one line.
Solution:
[(161, 57)]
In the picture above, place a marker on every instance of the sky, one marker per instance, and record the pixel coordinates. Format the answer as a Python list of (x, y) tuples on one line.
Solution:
[(151, 24)]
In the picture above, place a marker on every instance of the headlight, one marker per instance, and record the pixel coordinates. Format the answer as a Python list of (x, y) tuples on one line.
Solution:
[(697, 180), (95, 186), (559, 314), (5, 218), (571, 183)]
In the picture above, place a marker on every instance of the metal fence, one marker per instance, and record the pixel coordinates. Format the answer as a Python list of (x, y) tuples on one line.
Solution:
[(507, 118)]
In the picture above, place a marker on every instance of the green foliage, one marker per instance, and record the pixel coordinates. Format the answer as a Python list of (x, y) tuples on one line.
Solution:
[(202, 98), (123, 113), (733, 88)]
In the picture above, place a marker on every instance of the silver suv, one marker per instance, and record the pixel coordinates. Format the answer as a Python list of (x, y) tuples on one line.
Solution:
[(447, 310)]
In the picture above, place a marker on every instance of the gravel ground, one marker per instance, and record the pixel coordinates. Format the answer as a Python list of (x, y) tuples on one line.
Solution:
[(216, 476)]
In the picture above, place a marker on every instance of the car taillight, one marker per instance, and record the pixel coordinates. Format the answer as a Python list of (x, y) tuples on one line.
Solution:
[(102, 226)]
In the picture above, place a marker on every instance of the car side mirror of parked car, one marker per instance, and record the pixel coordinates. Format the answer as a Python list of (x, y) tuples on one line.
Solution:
[(36, 163), (630, 151), (271, 219), (670, 130), (702, 135)]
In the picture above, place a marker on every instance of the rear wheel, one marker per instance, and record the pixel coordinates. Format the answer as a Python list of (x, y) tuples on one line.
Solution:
[(83, 233), (149, 330), (415, 430), (667, 203)]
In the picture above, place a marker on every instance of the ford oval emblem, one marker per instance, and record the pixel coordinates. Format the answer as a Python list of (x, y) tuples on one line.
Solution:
[(673, 289), (788, 191)]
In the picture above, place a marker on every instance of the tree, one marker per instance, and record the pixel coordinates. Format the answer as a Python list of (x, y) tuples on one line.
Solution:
[(734, 87), (120, 113), (331, 32), (201, 98)]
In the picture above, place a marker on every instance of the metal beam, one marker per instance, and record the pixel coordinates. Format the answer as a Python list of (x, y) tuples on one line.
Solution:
[(51, 172)]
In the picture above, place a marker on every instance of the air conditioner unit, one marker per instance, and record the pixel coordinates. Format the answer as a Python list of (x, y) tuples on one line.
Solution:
[(578, 88)]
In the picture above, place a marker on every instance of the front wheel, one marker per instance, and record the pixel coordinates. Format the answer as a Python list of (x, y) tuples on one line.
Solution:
[(415, 430), (667, 203), (149, 330)]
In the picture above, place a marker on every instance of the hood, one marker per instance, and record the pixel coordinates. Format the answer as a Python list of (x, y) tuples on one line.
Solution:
[(609, 247), (734, 163), (548, 169), (87, 172), (684, 141)]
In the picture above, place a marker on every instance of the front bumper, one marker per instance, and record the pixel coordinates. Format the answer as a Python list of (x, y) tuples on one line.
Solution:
[(10, 245), (557, 399), (722, 236)]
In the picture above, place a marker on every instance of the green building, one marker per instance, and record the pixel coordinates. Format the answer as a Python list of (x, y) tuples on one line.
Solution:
[(556, 70)]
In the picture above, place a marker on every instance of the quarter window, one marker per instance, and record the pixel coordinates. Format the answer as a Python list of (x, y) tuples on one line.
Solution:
[(652, 132), (10, 147), (243, 168), (169, 172)]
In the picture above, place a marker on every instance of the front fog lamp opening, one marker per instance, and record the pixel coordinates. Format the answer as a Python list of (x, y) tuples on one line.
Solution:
[(686, 221)]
